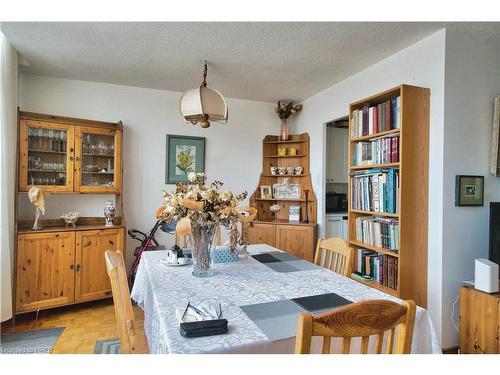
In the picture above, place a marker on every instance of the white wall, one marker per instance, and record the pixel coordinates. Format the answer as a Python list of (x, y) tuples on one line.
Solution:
[(472, 79), (8, 126), (233, 151), (463, 73), (421, 64)]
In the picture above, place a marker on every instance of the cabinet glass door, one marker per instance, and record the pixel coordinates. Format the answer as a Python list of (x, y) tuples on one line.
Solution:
[(98, 159), (46, 158)]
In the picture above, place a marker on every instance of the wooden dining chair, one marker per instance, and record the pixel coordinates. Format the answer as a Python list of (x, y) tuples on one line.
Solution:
[(183, 233), (335, 254), (132, 341), (362, 319)]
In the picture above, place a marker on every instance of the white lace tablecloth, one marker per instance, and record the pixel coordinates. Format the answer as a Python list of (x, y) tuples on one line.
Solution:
[(159, 289)]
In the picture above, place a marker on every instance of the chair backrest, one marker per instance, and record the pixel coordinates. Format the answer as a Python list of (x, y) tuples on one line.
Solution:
[(183, 233), (130, 340), (335, 254), (361, 319)]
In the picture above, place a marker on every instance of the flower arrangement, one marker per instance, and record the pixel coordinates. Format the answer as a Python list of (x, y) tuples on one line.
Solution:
[(286, 110), (198, 209), (201, 202)]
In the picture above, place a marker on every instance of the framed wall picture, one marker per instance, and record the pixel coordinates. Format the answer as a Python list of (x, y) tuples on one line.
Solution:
[(266, 192), (469, 190), (184, 155)]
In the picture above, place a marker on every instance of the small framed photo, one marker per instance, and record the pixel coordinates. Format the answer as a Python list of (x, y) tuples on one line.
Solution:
[(266, 192), (469, 191), (294, 213)]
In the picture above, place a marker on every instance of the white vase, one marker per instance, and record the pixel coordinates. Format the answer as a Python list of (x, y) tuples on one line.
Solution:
[(109, 213)]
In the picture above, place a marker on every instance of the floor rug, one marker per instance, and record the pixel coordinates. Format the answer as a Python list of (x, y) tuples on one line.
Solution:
[(110, 346), (30, 342)]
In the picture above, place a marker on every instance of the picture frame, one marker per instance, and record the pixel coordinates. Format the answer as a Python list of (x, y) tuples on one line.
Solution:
[(294, 213), (469, 190), (495, 140), (184, 154), (266, 192)]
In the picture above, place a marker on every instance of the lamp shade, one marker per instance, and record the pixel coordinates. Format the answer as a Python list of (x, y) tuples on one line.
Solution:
[(203, 105)]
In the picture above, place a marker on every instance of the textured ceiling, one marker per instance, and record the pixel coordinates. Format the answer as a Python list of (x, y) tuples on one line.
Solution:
[(257, 61)]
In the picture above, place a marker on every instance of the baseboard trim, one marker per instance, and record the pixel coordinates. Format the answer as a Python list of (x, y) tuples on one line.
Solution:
[(451, 350)]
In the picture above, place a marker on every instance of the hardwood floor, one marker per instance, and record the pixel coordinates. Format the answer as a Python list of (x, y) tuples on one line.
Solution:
[(84, 324)]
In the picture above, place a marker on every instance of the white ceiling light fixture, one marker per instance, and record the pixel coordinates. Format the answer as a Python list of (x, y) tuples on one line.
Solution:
[(203, 104)]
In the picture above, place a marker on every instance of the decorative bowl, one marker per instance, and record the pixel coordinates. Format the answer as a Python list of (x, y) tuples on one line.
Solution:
[(71, 218)]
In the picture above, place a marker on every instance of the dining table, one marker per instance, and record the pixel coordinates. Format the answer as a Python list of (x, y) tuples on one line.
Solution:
[(260, 295)]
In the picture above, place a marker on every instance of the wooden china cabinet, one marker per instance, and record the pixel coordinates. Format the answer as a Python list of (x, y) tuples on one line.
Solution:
[(60, 265), (62, 157), (295, 237)]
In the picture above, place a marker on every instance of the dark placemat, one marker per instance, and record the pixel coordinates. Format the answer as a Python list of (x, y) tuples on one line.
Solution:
[(282, 267), (284, 257), (321, 302), (266, 258), (278, 319)]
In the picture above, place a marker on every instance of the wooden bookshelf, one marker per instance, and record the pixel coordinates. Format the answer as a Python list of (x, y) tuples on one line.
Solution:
[(413, 168), (374, 248), (373, 213), (285, 156), (385, 165), (298, 238)]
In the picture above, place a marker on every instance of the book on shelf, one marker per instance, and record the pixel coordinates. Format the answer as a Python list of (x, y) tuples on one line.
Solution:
[(381, 268), (377, 151), (376, 118), (378, 231), (375, 190)]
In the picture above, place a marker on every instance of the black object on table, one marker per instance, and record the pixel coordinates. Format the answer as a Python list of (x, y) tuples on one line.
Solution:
[(204, 328)]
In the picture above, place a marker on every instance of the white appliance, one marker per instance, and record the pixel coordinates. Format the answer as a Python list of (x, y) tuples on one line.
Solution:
[(336, 226), (486, 275)]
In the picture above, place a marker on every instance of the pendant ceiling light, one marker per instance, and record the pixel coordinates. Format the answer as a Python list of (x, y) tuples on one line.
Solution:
[(203, 104)]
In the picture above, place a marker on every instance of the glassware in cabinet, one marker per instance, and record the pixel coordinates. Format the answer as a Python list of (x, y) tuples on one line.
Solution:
[(46, 158), (98, 160)]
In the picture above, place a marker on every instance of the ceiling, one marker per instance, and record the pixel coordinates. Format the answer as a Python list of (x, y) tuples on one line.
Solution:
[(263, 61)]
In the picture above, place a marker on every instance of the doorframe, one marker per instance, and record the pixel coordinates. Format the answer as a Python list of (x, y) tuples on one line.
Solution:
[(322, 228)]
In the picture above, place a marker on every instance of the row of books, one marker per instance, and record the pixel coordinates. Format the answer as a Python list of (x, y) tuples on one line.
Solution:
[(378, 231), (375, 190), (376, 118), (378, 267), (378, 151)]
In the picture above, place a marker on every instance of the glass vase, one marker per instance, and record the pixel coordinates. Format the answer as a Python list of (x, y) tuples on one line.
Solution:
[(285, 132), (203, 248)]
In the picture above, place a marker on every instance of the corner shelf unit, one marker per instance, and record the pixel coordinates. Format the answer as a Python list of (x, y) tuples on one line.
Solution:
[(412, 201), (271, 144), (298, 238)]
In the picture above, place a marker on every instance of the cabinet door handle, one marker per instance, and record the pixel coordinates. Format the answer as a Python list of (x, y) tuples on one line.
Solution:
[(77, 267), (77, 158), (71, 266), (71, 158)]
